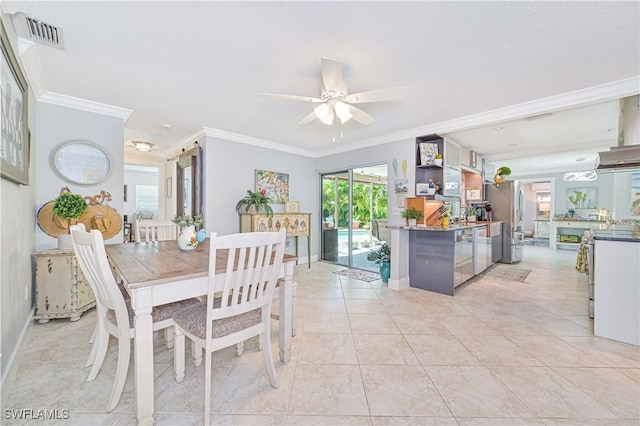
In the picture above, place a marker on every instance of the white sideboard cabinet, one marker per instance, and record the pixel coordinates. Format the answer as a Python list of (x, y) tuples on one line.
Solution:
[(62, 291)]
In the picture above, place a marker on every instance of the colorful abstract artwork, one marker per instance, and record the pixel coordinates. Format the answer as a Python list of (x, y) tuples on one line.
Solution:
[(275, 186)]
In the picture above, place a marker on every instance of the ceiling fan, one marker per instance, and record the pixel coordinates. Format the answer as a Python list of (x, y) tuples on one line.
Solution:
[(335, 101)]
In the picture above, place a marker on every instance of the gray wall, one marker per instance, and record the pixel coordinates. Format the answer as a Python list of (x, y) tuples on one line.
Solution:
[(56, 124), (230, 171), (17, 236)]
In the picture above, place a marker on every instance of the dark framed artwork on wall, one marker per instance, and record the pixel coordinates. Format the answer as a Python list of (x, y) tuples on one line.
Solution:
[(14, 151)]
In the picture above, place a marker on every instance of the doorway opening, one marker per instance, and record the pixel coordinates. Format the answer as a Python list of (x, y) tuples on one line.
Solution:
[(354, 215)]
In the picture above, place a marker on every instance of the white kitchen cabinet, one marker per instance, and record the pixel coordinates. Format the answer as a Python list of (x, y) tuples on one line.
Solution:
[(564, 232)]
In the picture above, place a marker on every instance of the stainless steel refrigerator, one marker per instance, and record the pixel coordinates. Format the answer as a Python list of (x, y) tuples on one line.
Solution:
[(507, 204)]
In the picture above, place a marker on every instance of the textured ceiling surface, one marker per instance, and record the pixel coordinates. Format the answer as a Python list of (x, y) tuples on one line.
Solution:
[(202, 64)]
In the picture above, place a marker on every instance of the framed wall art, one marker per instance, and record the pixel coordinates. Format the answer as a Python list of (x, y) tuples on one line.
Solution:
[(582, 197), (274, 185), (292, 207), (14, 151)]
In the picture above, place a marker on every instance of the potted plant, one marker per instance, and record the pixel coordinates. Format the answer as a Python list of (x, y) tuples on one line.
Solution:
[(438, 159), (188, 239), (70, 207), (382, 257), (412, 215), (471, 214), (446, 214), (253, 202), (501, 173)]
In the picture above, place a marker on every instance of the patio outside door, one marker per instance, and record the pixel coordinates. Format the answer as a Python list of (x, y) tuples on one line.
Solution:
[(351, 201)]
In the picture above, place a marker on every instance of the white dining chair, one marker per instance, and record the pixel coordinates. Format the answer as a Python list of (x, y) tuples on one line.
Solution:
[(115, 315), (238, 303), (156, 230)]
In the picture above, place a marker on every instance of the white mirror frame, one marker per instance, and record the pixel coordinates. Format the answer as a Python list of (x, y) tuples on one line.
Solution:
[(81, 168)]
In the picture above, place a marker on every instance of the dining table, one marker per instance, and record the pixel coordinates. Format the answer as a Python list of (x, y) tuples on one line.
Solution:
[(156, 273)]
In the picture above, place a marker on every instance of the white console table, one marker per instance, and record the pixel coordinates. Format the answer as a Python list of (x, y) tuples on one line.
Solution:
[(563, 230)]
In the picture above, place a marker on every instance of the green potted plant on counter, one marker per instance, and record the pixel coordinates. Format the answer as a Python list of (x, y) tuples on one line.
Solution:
[(382, 257), (412, 215), (254, 202)]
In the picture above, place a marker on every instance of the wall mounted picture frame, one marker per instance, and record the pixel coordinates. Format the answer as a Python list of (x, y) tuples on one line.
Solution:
[(582, 197), (292, 207), (14, 151), (274, 185)]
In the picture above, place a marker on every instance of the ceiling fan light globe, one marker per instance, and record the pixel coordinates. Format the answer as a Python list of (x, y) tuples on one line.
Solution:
[(345, 117), (321, 111), (328, 119)]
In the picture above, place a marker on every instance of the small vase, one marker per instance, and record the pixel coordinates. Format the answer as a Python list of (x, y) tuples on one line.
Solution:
[(385, 271), (445, 222), (413, 222), (437, 161), (187, 238)]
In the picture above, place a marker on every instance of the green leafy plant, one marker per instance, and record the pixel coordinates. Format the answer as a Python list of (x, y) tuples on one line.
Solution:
[(69, 206), (187, 220), (438, 156), (504, 171), (381, 255), (258, 200), (411, 213)]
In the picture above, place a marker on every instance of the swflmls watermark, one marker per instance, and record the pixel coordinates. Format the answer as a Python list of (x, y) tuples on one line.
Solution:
[(35, 414)]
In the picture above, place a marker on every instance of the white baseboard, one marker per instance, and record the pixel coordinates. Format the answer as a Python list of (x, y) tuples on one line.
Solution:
[(9, 374)]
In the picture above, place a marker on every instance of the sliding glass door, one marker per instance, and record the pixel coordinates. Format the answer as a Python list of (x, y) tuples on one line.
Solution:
[(354, 214)]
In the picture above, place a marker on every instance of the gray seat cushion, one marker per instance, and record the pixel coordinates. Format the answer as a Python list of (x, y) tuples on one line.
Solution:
[(159, 313), (193, 319)]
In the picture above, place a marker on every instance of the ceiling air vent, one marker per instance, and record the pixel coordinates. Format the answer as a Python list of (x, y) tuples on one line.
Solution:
[(39, 31)]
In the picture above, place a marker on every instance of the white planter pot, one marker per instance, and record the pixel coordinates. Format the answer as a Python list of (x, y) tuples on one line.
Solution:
[(413, 222), (65, 242)]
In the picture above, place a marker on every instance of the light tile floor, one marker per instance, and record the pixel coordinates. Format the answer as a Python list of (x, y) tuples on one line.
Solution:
[(497, 353)]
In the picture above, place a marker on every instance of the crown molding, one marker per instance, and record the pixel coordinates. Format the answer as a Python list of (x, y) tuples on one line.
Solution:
[(601, 93), (85, 105), (183, 144), (222, 134)]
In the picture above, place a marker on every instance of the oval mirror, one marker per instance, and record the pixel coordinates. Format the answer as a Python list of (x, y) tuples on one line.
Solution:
[(81, 162)]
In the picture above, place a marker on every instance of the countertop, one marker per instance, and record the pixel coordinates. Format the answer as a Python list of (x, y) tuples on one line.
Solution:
[(440, 228), (627, 233)]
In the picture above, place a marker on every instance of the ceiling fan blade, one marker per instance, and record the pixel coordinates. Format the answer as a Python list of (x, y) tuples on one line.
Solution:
[(360, 116), (307, 118), (378, 95), (291, 97), (331, 75)]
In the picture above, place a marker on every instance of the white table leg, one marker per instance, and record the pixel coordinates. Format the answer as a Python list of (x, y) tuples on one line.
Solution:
[(286, 313), (143, 355)]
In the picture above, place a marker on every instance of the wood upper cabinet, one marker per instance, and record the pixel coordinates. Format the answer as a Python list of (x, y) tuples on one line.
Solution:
[(449, 174)]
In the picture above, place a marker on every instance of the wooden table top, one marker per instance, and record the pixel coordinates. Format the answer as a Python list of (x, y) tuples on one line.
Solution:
[(146, 264)]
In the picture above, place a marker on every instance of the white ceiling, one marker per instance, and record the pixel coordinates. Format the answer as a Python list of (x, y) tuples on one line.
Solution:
[(198, 65)]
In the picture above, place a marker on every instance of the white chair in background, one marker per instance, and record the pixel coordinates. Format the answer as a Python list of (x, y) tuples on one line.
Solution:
[(241, 310), (156, 230), (115, 315)]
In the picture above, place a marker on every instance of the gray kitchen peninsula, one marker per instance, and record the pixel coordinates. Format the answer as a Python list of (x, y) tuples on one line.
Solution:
[(439, 259)]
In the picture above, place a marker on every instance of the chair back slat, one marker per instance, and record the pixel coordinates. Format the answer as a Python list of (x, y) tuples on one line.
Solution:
[(155, 230), (251, 272), (92, 258)]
